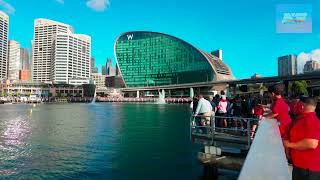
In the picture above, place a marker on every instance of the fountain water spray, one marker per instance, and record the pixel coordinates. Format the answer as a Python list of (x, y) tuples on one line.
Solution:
[(161, 99), (94, 97)]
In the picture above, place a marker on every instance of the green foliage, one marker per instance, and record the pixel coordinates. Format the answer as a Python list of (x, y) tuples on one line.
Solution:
[(298, 88)]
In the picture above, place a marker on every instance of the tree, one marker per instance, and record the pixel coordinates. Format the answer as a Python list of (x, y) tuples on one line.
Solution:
[(298, 88)]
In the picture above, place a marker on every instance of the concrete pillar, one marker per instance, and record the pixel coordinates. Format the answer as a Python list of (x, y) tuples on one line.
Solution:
[(261, 89), (191, 93), (138, 94)]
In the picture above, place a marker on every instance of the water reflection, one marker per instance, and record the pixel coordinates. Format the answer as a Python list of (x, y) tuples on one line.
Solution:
[(101, 141), (13, 146)]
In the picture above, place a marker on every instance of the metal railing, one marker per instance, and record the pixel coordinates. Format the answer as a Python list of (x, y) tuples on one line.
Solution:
[(215, 129)]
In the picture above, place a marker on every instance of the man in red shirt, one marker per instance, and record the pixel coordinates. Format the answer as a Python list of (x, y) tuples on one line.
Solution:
[(295, 108), (304, 143), (280, 110)]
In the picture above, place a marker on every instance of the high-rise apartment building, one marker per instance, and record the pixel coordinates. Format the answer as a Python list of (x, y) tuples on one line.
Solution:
[(24, 59), (24, 73), (94, 68), (99, 80), (71, 58), (311, 66), (14, 60), (4, 31), (31, 59), (287, 65), (110, 70), (44, 34), (104, 70)]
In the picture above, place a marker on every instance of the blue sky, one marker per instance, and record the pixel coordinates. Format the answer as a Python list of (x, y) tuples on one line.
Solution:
[(244, 29)]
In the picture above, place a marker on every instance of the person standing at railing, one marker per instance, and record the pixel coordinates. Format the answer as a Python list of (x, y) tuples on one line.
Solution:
[(279, 110), (257, 112), (304, 143), (213, 104), (295, 106), (214, 109), (237, 109), (222, 110), (193, 107), (204, 109)]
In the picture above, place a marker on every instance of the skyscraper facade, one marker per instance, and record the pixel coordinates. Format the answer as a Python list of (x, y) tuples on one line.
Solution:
[(287, 65), (157, 59), (71, 58), (94, 69), (44, 33), (24, 59), (14, 60), (110, 71), (4, 31), (104, 70), (311, 66), (99, 80)]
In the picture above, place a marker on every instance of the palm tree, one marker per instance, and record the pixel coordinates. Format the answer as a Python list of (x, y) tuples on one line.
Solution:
[(298, 88)]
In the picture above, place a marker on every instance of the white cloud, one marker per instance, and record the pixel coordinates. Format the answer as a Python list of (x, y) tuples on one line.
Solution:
[(304, 57), (60, 1), (98, 5), (6, 7)]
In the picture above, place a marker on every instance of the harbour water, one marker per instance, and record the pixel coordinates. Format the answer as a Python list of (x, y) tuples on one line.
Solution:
[(97, 141)]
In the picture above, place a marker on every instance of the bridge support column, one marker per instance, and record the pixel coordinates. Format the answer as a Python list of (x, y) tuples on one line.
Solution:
[(138, 94), (191, 93), (261, 89)]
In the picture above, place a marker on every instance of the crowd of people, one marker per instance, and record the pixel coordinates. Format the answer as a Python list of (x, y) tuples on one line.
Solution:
[(234, 113), (298, 121)]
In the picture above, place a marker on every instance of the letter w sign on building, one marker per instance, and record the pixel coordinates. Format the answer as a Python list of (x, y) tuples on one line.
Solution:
[(130, 36)]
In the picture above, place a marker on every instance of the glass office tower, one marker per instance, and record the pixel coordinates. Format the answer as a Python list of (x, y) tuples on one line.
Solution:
[(156, 59)]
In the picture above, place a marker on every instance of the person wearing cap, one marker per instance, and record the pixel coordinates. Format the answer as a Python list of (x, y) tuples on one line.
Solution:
[(304, 143)]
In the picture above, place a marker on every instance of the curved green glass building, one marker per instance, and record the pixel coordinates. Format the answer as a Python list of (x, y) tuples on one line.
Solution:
[(156, 59)]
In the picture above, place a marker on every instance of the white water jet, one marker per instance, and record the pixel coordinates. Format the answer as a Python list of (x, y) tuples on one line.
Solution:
[(94, 97), (161, 99)]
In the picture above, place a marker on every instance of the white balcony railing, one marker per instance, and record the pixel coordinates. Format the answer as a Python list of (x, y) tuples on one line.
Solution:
[(266, 158)]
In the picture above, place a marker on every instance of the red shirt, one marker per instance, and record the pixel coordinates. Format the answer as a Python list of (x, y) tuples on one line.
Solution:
[(306, 126), (280, 107), (296, 106), (258, 110)]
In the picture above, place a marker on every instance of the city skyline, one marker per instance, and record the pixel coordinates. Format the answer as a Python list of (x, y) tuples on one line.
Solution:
[(252, 39)]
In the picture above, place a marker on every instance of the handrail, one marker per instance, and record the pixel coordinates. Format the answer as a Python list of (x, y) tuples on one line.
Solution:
[(266, 158), (211, 130)]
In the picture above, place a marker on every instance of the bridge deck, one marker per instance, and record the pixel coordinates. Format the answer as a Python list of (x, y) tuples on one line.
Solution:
[(223, 139)]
